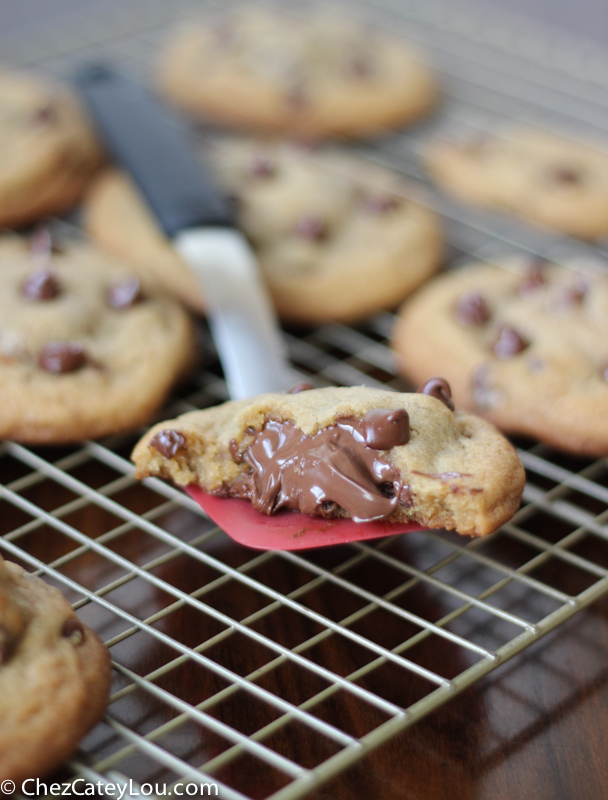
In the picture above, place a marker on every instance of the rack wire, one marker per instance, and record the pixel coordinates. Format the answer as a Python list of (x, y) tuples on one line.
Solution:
[(201, 630)]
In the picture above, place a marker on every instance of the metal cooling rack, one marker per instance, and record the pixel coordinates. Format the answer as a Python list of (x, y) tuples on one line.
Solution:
[(137, 559)]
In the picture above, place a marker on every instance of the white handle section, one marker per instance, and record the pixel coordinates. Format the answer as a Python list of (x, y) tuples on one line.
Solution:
[(242, 319)]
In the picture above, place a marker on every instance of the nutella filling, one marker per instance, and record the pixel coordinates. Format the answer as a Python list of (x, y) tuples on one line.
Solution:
[(338, 469)]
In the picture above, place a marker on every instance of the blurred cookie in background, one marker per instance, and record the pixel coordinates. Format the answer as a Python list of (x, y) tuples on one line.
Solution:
[(47, 150), (336, 238), (312, 76), (523, 342), (534, 174), (86, 348)]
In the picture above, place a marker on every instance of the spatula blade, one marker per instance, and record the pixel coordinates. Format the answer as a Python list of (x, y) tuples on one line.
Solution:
[(288, 530)]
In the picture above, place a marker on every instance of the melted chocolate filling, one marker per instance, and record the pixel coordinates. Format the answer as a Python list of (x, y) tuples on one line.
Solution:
[(337, 469)]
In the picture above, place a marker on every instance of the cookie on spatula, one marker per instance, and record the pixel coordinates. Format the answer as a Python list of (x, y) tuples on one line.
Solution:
[(357, 453)]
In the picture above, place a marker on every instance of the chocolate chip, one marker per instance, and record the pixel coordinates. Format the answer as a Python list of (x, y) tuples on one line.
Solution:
[(261, 167), (438, 388), (472, 309), (384, 429), (387, 489), (574, 294), (168, 443), (297, 95), (42, 285), (45, 114), (125, 294), (571, 296), (42, 244), (381, 203), (311, 228), (360, 66), (565, 175), (300, 387), (62, 357), (535, 277), (73, 629), (509, 342)]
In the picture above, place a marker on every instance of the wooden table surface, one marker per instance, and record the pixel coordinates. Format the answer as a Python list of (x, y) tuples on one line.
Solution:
[(535, 728)]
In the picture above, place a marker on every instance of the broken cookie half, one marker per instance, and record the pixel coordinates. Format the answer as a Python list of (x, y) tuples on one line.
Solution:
[(357, 453)]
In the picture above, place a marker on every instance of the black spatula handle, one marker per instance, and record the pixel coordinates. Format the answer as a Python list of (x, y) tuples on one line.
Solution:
[(146, 139)]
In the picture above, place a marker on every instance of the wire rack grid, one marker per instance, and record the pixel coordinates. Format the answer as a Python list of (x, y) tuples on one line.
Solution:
[(207, 636)]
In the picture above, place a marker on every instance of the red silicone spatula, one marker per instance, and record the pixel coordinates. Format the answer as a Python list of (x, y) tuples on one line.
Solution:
[(288, 530), (151, 145)]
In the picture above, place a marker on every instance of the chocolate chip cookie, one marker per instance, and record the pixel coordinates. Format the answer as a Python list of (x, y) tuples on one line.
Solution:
[(86, 348), (54, 676), (47, 150), (336, 237), (523, 343), (358, 453), (535, 174), (312, 76)]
